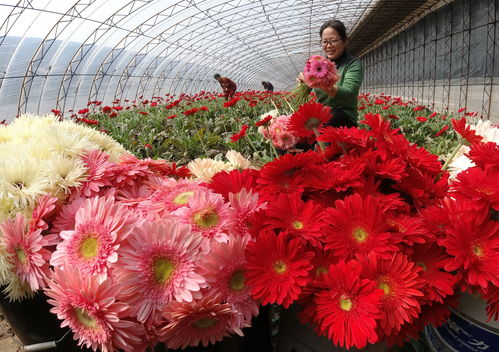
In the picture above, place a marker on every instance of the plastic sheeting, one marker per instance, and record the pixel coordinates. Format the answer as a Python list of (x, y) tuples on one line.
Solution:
[(62, 54)]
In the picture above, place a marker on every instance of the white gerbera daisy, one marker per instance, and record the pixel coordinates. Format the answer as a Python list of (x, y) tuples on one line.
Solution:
[(237, 160), (101, 140), (64, 173), (205, 169), (15, 290), (22, 180)]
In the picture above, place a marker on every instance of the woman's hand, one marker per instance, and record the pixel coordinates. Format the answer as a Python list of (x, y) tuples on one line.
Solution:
[(300, 78)]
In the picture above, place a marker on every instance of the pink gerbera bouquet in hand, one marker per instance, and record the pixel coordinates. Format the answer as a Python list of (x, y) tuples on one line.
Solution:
[(319, 72)]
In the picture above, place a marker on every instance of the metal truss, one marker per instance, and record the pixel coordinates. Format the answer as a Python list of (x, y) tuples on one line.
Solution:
[(489, 60)]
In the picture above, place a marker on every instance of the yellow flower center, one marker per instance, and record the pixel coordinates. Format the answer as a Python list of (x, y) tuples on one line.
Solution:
[(205, 323), (345, 303), (312, 123), (163, 269), (89, 247), (280, 267), (297, 225), (422, 265), (360, 234), (237, 281), (183, 198), (477, 250), (21, 254), (85, 319), (206, 218), (385, 287), (321, 270)]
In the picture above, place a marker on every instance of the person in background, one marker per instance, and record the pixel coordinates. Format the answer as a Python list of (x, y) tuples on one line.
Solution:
[(342, 96), (228, 86), (267, 86)]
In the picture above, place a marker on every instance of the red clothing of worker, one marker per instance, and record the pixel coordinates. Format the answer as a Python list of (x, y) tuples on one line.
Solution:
[(228, 87)]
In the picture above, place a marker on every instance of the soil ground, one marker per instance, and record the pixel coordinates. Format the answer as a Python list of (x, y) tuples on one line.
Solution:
[(8, 341)]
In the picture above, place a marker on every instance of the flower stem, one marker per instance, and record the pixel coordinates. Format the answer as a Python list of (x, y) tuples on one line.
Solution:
[(322, 146), (275, 106), (451, 157), (271, 144), (202, 143), (251, 144), (287, 102)]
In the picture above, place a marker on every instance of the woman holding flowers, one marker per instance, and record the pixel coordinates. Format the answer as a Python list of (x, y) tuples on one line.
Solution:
[(342, 95)]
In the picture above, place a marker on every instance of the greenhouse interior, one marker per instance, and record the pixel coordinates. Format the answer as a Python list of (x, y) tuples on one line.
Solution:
[(249, 175)]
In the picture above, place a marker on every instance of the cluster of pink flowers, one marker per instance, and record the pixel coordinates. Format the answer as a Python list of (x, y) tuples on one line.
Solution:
[(320, 72), (280, 134), (137, 255)]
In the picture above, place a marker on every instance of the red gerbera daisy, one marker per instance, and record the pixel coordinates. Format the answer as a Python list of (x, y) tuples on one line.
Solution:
[(492, 297), (304, 220), (475, 249), (288, 173), (485, 155), (346, 311), (465, 131), (358, 226), (409, 228), (346, 137), (308, 118), (398, 277), (225, 182), (438, 284), (277, 270), (479, 185)]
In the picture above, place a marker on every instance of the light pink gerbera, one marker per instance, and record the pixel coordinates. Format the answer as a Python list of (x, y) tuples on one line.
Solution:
[(208, 215), (158, 264), (100, 227), (224, 270), (26, 251), (45, 205), (65, 217), (242, 206), (90, 309), (99, 172), (171, 195), (203, 321)]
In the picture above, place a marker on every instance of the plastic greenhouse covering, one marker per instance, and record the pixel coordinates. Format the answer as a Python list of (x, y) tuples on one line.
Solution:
[(63, 54)]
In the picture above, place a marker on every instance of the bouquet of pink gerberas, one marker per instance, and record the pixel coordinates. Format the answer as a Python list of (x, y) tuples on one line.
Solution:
[(319, 72), (130, 252)]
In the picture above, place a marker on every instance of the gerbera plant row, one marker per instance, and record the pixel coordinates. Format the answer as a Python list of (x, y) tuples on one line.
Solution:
[(357, 226)]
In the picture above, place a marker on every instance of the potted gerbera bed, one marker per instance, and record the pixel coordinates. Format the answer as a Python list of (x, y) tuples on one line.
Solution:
[(367, 240), (129, 252)]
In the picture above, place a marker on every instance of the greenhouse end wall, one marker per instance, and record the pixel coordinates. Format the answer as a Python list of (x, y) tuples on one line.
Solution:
[(446, 60)]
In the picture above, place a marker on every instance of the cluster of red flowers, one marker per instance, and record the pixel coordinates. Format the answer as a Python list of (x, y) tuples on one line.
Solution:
[(366, 237), (239, 134)]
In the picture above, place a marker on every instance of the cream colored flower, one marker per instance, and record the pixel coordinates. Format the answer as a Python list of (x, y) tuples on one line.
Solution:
[(101, 140), (64, 173), (17, 290), (237, 160), (204, 169), (22, 180)]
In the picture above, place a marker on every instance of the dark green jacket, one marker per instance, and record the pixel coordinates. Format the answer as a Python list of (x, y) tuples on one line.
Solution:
[(352, 73)]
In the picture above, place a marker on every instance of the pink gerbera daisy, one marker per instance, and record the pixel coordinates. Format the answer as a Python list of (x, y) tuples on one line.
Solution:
[(208, 215), (170, 195), (99, 172), (26, 252), (242, 206), (100, 226), (90, 309), (224, 271), (44, 207), (158, 264), (65, 217), (200, 322)]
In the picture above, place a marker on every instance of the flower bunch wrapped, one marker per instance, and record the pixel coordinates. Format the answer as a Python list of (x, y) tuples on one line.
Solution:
[(360, 236), (319, 72), (130, 252)]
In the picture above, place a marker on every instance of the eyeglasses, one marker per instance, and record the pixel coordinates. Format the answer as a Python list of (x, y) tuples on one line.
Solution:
[(330, 42)]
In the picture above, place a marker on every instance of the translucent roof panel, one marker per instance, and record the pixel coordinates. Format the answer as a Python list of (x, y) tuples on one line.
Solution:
[(62, 54)]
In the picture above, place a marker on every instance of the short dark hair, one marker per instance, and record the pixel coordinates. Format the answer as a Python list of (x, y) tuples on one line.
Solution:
[(337, 25), (217, 76)]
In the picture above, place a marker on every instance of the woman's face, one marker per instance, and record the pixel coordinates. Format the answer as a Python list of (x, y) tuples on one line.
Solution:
[(332, 43)]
